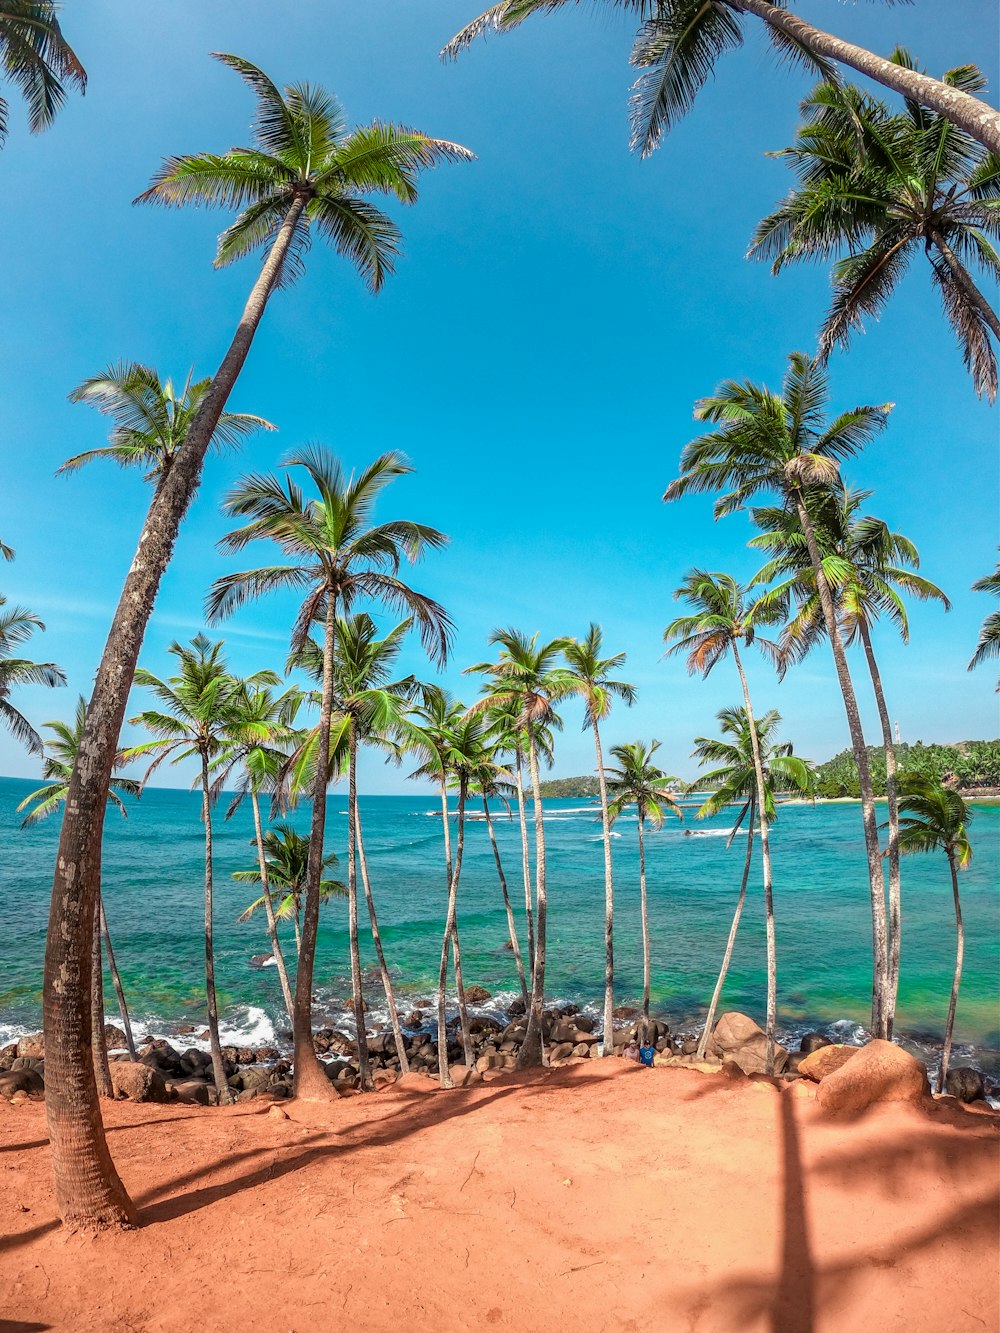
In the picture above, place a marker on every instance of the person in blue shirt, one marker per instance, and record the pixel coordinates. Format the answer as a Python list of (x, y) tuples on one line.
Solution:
[(646, 1052)]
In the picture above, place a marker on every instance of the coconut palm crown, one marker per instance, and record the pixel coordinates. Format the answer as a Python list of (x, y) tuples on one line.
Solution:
[(36, 57), (17, 626), (989, 635), (60, 756)]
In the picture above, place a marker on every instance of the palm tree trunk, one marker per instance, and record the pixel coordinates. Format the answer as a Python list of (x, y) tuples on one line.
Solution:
[(892, 801), (390, 998), (644, 911), (444, 1071), (730, 942), (89, 1192), (765, 856), (532, 1050), (218, 1068), (98, 1041), (364, 1072), (609, 903), (880, 961), (116, 979), (968, 113), (964, 280), (311, 1082), (272, 924), (456, 948), (297, 922), (956, 981), (525, 859), (508, 908)]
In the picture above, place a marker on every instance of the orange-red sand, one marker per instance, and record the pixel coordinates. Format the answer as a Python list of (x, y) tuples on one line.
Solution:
[(595, 1197)]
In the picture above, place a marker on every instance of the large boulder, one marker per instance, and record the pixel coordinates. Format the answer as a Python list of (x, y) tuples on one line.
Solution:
[(826, 1060), (115, 1038), (138, 1082), (751, 1057), (742, 1042), (33, 1047), (734, 1030), (8, 1055), (21, 1080), (879, 1072), (966, 1084), (194, 1091)]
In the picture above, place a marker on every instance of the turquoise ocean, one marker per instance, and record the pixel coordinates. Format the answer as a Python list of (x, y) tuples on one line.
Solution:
[(153, 894)]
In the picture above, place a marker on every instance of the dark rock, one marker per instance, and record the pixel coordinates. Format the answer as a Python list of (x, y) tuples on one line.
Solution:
[(8, 1055), (191, 1090), (115, 1038), (477, 994), (246, 1055), (812, 1041), (261, 959), (966, 1084), (21, 1080), (689, 1047), (625, 1011), (516, 1008), (414, 1018), (583, 1022)]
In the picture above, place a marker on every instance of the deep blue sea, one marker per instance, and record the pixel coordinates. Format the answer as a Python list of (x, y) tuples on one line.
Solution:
[(153, 893)]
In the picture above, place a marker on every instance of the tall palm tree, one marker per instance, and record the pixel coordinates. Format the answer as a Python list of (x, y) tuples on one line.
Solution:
[(594, 682), (527, 675), (196, 714), (339, 556), (734, 778), (286, 853), (782, 443), (261, 722), (935, 819), (60, 757), (638, 781), (305, 171), (886, 187), (868, 567), (37, 58), (679, 42), (720, 618), (16, 627), (989, 635)]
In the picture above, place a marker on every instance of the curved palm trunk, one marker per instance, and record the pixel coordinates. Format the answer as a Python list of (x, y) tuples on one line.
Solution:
[(532, 1050), (644, 910), (311, 1082), (765, 856), (730, 942), (116, 979), (892, 801), (89, 1192), (508, 908), (956, 981), (98, 1042), (390, 998), (364, 1072), (964, 280), (876, 881), (218, 1068), (444, 1072), (272, 923), (609, 904), (525, 859), (969, 113)]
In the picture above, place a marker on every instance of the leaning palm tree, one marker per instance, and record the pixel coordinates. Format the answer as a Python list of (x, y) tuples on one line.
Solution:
[(880, 188), (60, 757), (720, 618), (868, 568), (37, 58), (286, 856), (305, 172), (528, 676), (934, 819), (638, 781), (338, 557), (16, 627), (492, 783), (734, 779), (989, 635), (679, 42), (782, 443), (597, 687)]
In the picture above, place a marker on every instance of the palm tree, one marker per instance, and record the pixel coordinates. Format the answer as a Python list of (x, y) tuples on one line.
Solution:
[(782, 443), (679, 42), (44, 801), (721, 618), (16, 627), (286, 855), (6, 552), (38, 59), (527, 675), (885, 188), (638, 781), (339, 557), (867, 567), (196, 715), (305, 171), (935, 819), (492, 783), (593, 681), (734, 778), (989, 635), (261, 730)]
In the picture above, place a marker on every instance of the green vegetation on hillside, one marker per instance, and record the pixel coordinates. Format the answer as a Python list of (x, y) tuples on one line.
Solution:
[(585, 788), (969, 765)]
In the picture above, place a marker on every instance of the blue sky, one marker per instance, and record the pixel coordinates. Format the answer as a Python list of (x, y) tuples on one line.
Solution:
[(560, 307)]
